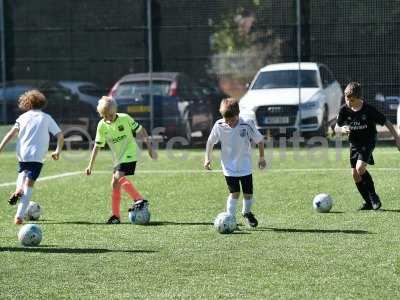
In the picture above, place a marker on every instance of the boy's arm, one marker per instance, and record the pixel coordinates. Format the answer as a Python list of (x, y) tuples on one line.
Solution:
[(392, 130), (208, 156), (261, 162), (8, 137), (60, 144), (92, 160), (142, 134)]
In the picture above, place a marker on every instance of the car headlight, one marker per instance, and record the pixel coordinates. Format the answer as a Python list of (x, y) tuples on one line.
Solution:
[(310, 105)]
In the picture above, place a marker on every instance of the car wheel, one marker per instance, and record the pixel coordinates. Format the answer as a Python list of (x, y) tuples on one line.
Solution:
[(323, 129), (188, 131)]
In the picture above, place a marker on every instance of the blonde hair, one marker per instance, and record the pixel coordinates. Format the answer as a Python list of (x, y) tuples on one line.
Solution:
[(32, 99), (106, 106), (229, 108)]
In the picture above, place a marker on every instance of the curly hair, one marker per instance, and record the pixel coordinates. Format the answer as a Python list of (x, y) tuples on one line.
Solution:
[(229, 108), (32, 99), (353, 89)]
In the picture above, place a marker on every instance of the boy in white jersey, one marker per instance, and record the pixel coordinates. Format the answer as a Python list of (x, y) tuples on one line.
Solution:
[(235, 136), (32, 128), (119, 132)]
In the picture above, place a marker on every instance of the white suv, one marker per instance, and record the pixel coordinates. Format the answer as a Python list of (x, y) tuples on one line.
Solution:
[(272, 100)]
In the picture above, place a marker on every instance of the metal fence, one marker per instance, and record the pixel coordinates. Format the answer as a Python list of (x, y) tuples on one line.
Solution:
[(215, 47)]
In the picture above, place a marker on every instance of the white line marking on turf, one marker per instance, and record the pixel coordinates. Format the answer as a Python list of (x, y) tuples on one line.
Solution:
[(46, 178), (68, 174)]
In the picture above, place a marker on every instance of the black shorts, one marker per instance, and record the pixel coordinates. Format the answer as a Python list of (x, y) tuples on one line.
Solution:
[(127, 168), (32, 169), (234, 184), (363, 153)]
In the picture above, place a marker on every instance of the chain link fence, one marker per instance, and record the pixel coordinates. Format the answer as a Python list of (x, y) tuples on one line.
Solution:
[(199, 52)]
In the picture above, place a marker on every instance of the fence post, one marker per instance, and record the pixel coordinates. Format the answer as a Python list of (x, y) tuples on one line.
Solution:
[(150, 58), (3, 62)]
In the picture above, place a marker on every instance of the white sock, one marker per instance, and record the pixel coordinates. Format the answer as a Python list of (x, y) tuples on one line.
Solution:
[(247, 203), (20, 180), (23, 204), (231, 205)]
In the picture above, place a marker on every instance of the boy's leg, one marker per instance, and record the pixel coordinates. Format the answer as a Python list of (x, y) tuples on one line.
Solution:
[(362, 189), (234, 192), (247, 187), (368, 183), (25, 198), (128, 187), (231, 203), (18, 188), (115, 198)]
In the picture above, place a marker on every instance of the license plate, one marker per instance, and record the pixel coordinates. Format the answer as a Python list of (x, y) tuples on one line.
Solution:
[(138, 109), (393, 106), (276, 120)]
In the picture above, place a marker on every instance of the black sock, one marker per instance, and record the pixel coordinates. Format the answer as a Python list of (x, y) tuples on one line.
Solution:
[(369, 183), (362, 188)]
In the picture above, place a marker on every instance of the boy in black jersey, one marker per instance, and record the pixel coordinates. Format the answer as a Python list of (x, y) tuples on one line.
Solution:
[(359, 120)]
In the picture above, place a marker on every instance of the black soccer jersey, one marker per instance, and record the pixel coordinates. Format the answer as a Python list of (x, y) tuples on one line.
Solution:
[(362, 123)]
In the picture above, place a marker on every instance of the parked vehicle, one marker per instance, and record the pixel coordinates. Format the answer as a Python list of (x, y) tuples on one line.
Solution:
[(208, 87), (178, 105), (387, 105), (88, 92), (272, 100), (73, 115), (398, 119)]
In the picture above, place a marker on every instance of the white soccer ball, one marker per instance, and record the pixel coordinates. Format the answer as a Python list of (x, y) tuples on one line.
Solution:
[(225, 223), (30, 235), (139, 214), (322, 203), (33, 212)]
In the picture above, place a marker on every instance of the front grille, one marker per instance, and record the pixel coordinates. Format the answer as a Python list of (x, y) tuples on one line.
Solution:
[(274, 115)]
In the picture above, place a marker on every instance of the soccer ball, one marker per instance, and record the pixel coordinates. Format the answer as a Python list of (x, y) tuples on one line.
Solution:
[(30, 235), (139, 214), (322, 203), (225, 223), (33, 211)]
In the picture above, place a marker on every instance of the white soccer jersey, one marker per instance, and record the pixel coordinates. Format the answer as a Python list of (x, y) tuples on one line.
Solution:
[(33, 137), (235, 145)]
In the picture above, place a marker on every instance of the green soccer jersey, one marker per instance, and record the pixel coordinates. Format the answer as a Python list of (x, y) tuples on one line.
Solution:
[(119, 137)]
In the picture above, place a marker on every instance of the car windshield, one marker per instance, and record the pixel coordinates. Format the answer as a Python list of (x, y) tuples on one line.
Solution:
[(136, 90), (91, 90), (285, 79)]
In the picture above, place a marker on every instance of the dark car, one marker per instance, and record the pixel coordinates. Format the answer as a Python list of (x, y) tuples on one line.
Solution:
[(88, 92), (74, 116), (179, 107)]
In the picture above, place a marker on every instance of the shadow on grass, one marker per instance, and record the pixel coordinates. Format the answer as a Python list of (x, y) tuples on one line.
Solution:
[(313, 230), (156, 223), (73, 222), (51, 250), (162, 223), (390, 210)]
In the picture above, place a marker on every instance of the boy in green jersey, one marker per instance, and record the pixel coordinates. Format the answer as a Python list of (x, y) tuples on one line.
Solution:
[(119, 132)]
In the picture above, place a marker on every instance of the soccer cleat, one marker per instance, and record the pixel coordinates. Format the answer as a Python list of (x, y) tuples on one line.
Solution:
[(139, 205), (14, 198), (18, 221), (376, 202), (113, 220), (251, 219), (366, 206)]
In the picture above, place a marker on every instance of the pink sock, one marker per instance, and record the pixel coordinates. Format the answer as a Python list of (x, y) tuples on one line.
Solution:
[(130, 189), (116, 201)]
